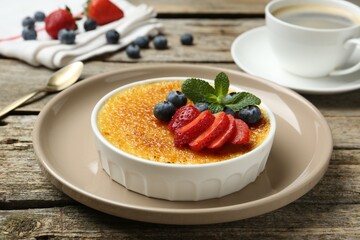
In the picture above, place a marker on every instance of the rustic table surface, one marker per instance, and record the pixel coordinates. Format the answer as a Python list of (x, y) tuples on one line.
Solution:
[(32, 208)]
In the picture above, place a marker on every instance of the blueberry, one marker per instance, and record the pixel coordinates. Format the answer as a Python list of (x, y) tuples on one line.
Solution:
[(186, 39), (250, 114), (112, 36), (90, 24), (142, 41), (67, 36), (28, 22), (29, 33), (228, 110), (160, 42), (164, 111), (202, 106), (39, 16), (133, 51), (228, 96), (177, 98)]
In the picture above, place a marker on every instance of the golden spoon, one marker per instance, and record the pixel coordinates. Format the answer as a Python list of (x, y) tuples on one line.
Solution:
[(58, 81)]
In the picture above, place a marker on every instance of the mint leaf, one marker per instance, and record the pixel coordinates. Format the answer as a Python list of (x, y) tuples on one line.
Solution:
[(216, 107), (222, 84), (198, 90), (240, 100), (233, 98)]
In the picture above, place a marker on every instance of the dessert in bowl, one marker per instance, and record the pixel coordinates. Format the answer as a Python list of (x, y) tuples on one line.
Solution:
[(139, 151)]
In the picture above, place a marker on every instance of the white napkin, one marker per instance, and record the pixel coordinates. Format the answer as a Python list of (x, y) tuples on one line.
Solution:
[(137, 21)]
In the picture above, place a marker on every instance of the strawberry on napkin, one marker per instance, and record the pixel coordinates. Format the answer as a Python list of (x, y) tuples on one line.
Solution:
[(128, 20)]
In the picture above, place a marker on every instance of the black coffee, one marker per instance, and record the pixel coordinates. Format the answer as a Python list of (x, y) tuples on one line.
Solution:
[(317, 16)]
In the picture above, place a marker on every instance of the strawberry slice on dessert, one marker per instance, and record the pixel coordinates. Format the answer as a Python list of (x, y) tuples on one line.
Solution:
[(220, 125), (225, 136), (192, 130), (242, 133), (183, 116)]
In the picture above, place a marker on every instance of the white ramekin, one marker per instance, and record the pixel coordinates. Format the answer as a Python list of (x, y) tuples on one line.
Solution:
[(177, 182)]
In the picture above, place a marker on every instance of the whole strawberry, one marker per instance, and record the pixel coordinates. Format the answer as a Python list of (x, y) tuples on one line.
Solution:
[(59, 19), (103, 11)]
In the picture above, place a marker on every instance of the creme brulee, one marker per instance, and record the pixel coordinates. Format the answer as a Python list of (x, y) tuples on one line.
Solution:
[(126, 120)]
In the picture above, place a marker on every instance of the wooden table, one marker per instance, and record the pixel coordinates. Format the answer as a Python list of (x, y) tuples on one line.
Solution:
[(32, 208)]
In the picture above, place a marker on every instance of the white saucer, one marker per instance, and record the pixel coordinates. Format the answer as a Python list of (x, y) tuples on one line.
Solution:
[(252, 53)]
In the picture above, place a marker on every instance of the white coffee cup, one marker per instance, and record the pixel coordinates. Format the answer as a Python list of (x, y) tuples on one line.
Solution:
[(313, 38)]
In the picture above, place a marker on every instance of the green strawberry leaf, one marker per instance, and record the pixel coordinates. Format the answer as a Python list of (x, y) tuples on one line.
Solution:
[(221, 84), (198, 90)]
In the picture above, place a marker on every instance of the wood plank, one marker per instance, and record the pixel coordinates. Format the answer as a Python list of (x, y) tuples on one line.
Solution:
[(330, 222), (186, 7), (18, 79), (346, 104), (24, 185), (235, 8), (345, 131), (20, 173)]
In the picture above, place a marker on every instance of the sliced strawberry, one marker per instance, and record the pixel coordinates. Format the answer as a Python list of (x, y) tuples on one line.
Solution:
[(192, 130), (57, 20), (220, 124), (225, 136), (103, 11), (242, 133), (183, 116)]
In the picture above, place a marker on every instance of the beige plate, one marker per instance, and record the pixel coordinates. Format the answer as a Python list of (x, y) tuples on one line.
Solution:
[(64, 144)]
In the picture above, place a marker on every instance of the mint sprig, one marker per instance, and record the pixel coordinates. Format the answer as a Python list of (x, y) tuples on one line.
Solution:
[(198, 90)]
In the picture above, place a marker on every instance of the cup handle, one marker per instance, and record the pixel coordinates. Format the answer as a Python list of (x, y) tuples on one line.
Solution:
[(352, 69)]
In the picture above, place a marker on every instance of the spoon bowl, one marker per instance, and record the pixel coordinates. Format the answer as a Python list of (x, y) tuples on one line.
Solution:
[(64, 77)]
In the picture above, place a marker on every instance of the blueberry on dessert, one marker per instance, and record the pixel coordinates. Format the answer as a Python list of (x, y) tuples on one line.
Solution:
[(250, 114), (164, 111), (202, 106), (228, 110), (177, 98)]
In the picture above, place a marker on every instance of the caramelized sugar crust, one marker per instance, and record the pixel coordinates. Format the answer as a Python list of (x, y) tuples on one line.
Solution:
[(126, 120)]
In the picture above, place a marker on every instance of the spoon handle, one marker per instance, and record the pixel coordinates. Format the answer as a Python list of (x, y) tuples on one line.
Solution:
[(18, 102)]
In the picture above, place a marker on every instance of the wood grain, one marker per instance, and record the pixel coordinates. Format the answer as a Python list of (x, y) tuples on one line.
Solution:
[(228, 8), (330, 222), (16, 83), (32, 208), (186, 7)]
